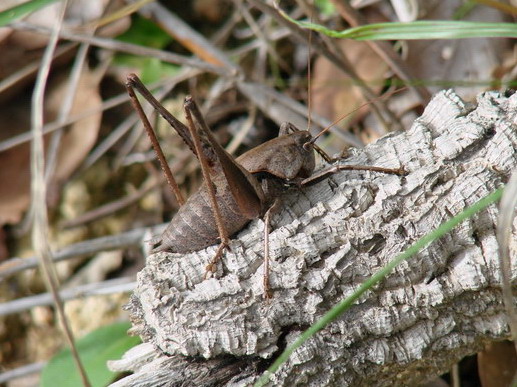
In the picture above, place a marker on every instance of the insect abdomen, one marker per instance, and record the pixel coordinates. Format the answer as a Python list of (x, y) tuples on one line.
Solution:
[(194, 228)]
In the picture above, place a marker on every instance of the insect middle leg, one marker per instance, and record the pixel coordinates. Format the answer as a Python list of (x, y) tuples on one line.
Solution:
[(317, 177), (267, 222)]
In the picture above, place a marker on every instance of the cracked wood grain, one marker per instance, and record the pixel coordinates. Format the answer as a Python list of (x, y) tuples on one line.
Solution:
[(434, 309)]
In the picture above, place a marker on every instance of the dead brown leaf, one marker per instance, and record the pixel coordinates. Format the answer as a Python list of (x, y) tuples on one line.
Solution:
[(76, 143), (497, 364), (333, 92), (82, 135)]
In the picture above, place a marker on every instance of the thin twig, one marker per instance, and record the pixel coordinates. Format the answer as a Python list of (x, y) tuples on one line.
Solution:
[(302, 36), (116, 45), (241, 134), (92, 246), (32, 68), (190, 38), (265, 41), (275, 35), (107, 104), (112, 286), (20, 372), (262, 96), (53, 126), (112, 207)]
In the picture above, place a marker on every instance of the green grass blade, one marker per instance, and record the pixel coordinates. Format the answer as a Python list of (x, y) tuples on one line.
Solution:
[(422, 29), (14, 13), (340, 308)]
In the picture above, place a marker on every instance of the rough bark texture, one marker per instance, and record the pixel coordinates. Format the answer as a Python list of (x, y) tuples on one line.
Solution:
[(431, 311)]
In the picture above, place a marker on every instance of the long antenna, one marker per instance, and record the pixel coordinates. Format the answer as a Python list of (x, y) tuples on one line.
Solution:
[(309, 76), (353, 111)]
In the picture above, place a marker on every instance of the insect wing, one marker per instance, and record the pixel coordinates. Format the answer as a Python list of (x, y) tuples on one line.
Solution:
[(244, 187)]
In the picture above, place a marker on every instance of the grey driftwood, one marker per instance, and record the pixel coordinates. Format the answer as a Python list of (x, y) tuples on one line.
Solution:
[(441, 305)]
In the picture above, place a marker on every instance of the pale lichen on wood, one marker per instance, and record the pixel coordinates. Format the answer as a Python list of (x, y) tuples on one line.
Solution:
[(432, 310)]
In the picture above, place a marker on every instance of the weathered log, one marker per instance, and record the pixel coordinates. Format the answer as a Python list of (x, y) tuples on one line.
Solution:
[(433, 310)]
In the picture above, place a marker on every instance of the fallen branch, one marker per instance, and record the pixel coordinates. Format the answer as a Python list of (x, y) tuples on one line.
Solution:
[(433, 310)]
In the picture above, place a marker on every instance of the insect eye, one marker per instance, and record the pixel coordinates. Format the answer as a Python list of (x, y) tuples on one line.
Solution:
[(307, 146)]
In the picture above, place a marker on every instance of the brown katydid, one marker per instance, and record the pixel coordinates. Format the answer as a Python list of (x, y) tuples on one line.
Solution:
[(235, 190)]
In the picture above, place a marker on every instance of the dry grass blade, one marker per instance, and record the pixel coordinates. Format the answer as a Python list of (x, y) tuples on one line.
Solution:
[(504, 233), (40, 234), (64, 111), (120, 13)]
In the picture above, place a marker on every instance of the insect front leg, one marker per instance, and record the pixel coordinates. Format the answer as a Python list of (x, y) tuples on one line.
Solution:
[(132, 82)]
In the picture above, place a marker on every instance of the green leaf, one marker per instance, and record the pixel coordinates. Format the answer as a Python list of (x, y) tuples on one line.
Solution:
[(344, 305), (14, 13), (145, 33), (154, 69), (95, 349), (326, 7), (151, 69)]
